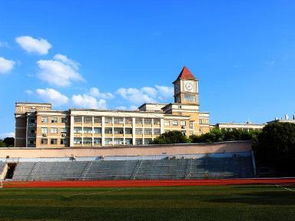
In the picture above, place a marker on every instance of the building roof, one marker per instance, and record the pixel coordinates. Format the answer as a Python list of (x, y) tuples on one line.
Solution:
[(185, 74)]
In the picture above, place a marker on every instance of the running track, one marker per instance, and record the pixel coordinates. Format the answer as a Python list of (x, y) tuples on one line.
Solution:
[(146, 183)]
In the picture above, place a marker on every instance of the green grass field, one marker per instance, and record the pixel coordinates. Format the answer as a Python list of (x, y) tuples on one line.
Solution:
[(149, 203)]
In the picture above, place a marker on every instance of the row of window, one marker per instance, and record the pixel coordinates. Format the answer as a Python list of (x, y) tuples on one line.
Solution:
[(116, 120), (174, 123), (53, 130), (110, 141), (54, 141), (116, 130), (53, 120)]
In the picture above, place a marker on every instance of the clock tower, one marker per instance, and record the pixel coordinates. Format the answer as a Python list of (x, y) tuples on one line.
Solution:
[(186, 88)]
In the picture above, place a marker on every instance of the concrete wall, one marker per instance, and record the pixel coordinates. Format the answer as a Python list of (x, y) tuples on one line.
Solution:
[(127, 150)]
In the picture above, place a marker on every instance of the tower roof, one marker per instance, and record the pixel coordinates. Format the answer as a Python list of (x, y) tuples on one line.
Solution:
[(186, 74)]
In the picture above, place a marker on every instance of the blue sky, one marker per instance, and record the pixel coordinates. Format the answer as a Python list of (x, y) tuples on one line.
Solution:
[(118, 54)]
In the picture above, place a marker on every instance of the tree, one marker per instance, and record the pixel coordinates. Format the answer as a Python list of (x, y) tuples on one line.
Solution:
[(217, 135), (171, 137), (2, 144), (9, 141), (275, 147)]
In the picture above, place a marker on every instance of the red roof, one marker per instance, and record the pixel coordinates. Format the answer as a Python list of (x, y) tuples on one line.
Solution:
[(185, 74)]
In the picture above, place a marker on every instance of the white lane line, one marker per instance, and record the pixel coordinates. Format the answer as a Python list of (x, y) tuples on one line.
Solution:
[(286, 188)]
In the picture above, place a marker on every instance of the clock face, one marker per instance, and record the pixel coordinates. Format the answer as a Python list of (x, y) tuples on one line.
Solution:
[(188, 86)]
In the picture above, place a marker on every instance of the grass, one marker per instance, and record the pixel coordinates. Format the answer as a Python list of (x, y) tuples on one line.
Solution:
[(251, 202)]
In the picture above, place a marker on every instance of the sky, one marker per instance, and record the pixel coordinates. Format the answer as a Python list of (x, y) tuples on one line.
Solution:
[(119, 54)]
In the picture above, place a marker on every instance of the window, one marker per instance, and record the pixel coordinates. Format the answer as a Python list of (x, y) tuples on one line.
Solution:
[(138, 131), (53, 141), (118, 130), (87, 140), (87, 120), (147, 121), (78, 119), (167, 123), (138, 120), (182, 123), (108, 130), (128, 141), (97, 120), (63, 130), (157, 121), (108, 120), (147, 141), (118, 120), (32, 132), (53, 130), (175, 123), (63, 141), (191, 125), (97, 141), (54, 120), (190, 98), (44, 130), (87, 130), (118, 141), (64, 120), (108, 141), (77, 140), (148, 131), (157, 131), (44, 141), (128, 120), (97, 130), (32, 141), (78, 130), (44, 119), (138, 141), (128, 130)]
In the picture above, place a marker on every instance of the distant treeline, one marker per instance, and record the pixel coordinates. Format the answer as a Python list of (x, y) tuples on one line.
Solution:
[(274, 145), (7, 142)]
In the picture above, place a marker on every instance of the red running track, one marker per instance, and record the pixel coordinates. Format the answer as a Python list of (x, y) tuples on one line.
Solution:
[(145, 183)]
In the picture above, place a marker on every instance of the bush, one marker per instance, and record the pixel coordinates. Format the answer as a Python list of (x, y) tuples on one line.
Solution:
[(171, 137)]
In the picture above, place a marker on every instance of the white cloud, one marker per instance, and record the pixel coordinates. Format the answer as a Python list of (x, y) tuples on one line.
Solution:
[(164, 91), (52, 96), (60, 71), (146, 94), (33, 45), (96, 93), (6, 65), (9, 134), (87, 101), (66, 60)]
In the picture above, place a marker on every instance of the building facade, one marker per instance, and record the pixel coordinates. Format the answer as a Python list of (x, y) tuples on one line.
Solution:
[(37, 125)]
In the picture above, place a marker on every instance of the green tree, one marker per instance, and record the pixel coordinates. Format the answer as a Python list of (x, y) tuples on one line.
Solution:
[(9, 141), (217, 135), (171, 137), (275, 147), (2, 144)]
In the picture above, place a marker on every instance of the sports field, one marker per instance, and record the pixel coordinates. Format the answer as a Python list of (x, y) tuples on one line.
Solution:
[(229, 202)]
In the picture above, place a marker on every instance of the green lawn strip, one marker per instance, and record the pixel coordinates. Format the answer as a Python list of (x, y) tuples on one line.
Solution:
[(149, 203)]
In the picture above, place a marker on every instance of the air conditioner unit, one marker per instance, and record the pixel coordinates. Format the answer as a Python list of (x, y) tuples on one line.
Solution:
[(64, 135), (44, 135)]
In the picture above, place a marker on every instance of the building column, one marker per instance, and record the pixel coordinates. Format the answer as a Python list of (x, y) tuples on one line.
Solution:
[(133, 131), (102, 131), (71, 131)]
